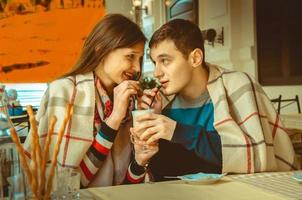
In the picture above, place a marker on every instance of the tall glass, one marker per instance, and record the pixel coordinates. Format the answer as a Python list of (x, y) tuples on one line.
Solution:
[(67, 184)]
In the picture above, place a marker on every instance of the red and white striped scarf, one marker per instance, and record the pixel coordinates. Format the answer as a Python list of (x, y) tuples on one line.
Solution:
[(115, 166)]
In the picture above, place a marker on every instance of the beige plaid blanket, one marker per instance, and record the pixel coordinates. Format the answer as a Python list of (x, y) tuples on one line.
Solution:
[(78, 137), (252, 136)]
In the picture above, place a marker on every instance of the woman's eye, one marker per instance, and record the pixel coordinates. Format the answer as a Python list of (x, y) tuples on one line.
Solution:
[(130, 56)]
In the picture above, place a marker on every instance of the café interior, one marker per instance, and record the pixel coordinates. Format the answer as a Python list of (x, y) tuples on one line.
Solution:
[(41, 40)]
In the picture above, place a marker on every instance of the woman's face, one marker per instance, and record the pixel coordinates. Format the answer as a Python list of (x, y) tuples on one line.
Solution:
[(121, 64)]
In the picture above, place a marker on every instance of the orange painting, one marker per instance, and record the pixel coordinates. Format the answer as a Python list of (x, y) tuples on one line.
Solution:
[(39, 43)]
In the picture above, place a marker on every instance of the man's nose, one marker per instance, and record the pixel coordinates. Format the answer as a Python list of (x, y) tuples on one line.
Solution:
[(157, 72)]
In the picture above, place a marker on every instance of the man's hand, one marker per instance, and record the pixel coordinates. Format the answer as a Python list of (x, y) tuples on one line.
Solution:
[(153, 127), (150, 99)]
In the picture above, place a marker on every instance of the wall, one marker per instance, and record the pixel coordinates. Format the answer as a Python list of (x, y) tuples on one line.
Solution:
[(239, 51), (119, 6)]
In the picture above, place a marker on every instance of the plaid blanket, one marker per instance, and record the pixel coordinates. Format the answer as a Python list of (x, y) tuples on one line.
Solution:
[(252, 136), (79, 134)]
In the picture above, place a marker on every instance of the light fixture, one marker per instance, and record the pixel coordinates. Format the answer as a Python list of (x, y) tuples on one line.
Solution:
[(138, 11), (213, 36), (136, 3), (167, 2)]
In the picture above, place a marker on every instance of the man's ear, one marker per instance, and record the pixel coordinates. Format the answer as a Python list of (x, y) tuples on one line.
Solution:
[(196, 57)]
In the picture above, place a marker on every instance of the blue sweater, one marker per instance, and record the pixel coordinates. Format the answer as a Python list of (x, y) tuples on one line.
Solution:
[(194, 129)]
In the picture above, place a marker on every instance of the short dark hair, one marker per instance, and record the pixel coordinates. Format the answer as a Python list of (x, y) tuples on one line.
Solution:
[(186, 36)]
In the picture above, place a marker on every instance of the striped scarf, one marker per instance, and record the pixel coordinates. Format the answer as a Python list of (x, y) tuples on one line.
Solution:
[(103, 105)]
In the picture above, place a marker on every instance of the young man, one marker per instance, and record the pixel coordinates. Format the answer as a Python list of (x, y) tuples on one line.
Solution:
[(219, 120)]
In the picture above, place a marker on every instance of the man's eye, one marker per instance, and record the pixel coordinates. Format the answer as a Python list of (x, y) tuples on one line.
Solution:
[(164, 61)]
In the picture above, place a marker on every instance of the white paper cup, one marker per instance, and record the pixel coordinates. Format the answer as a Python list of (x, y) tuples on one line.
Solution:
[(135, 115)]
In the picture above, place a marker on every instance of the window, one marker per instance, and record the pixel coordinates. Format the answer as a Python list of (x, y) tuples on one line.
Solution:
[(183, 9), (28, 94), (279, 42)]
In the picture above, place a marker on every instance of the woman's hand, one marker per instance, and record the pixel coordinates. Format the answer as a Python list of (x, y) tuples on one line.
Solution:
[(121, 96), (152, 127), (143, 152), (151, 99)]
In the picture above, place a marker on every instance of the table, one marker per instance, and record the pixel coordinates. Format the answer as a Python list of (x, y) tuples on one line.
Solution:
[(272, 186), (292, 121), (20, 119), (20, 123), (293, 124)]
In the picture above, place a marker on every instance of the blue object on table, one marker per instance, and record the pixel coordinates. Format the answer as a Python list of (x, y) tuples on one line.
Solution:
[(298, 176), (201, 178), (15, 111)]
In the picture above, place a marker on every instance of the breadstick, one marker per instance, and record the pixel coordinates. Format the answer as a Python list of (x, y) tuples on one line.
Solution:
[(33, 124), (34, 164), (52, 123), (67, 116), (22, 158), (36, 151)]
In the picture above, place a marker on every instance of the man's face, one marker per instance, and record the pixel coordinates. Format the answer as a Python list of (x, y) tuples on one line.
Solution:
[(171, 68)]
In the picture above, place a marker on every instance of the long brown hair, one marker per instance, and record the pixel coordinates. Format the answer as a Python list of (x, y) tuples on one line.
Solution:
[(112, 32)]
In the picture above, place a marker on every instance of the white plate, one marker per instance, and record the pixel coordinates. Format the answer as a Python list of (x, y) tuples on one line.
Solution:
[(200, 178), (298, 176)]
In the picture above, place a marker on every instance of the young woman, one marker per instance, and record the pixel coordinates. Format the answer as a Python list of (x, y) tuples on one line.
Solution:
[(96, 139)]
